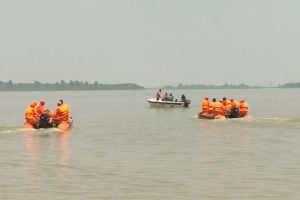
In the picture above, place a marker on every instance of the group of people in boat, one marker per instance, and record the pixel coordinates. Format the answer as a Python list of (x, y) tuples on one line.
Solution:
[(223, 108), (37, 116), (167, 96)]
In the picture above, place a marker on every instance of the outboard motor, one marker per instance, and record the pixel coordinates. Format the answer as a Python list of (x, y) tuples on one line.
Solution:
[(235, 113), (45, 121), (187, 103)]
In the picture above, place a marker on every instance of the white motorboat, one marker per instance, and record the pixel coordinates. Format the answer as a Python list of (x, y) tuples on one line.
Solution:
[(154, 102)]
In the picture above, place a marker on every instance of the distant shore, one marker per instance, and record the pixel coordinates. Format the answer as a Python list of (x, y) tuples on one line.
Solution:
[(228, 86), (80, 85), (64, 86)]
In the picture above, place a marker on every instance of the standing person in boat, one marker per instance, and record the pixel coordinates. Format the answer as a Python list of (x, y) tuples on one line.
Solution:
[(158, 95), (30, 114), (183, 98), (171, 97), (39, 109), (205, 105), (244, 108), (62, 113)]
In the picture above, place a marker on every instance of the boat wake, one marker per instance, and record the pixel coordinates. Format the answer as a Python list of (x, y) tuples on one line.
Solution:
[(17, 130), (280, 120)]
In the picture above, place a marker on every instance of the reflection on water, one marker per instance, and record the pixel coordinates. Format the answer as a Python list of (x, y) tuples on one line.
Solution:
[(63, 144)]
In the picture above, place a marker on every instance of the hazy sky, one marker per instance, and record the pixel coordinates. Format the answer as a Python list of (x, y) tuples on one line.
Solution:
[(150, 42)]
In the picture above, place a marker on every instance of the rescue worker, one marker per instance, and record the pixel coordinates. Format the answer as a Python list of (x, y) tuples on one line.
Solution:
[(244, 107), (62, 113), (211, 106), (218, 108), (205, 105), (227, 106), (30, 115), (158, 94), (39, 109), (235, 103)]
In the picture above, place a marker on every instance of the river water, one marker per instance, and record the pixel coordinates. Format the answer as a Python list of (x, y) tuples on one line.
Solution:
[(121, 148)]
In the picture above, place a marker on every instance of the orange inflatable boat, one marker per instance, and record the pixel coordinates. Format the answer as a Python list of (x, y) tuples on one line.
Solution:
[(46, 122)]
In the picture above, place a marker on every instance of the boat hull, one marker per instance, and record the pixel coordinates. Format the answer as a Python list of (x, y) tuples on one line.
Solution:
[(62, 126), (160, 103), (211, 116)]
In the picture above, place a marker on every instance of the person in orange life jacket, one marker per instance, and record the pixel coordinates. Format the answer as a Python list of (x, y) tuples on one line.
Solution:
[(39, 109), (158, 94), (227, 106), (235, 103), (62, 112), (205, 105), (218, 108), (244, 107), (211, 106), (30, 114)]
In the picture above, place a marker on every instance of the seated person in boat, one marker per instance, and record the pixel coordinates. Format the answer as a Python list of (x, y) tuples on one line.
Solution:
[(204, 105), (165, 97), (62, 113), (227, 106), (40, 109), (171, 97), (218, 108), (30, 115), (244, 107)]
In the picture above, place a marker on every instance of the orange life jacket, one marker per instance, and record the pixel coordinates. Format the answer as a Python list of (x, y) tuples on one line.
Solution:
[(218, 109), (244, 107), (205, 105), (39, 109), (235, 103), (30, 115), (211, 106), (227, 105), (63, 112)]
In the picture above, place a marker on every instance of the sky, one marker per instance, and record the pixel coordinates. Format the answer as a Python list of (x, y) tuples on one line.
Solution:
[(150, 42)]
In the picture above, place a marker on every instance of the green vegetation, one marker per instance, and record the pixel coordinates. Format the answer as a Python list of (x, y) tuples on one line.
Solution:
[(199, 86), (63, 86), (290, 85)]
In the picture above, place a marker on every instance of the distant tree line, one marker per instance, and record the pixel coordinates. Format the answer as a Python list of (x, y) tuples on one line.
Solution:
[(201, 86), (64, 86), (290, 85)]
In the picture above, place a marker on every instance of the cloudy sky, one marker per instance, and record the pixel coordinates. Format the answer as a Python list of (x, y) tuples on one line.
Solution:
[(150, 42)]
